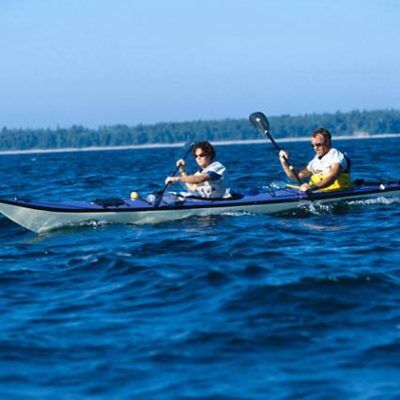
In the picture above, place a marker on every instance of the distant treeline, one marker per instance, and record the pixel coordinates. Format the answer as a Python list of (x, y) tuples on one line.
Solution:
[(339, 123)]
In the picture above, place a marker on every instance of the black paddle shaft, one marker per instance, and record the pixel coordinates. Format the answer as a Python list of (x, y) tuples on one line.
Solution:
[(160, 194), (261, 123)]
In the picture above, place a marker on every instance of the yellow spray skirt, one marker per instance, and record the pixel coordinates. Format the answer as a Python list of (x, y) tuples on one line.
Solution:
[(343, 181)]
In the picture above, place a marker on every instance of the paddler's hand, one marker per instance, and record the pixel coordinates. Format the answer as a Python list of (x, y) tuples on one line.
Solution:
[(172, 179), (305, 187), (181, 163), (283, 155)]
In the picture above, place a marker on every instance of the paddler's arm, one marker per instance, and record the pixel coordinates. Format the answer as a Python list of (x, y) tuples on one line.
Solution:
[(283, 156), (190, 180), (334, 171)]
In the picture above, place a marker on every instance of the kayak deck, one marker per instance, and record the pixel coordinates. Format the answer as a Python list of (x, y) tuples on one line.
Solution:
[(170, 201)]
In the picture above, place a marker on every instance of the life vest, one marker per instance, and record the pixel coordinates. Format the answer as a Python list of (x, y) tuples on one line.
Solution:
[(343, 181)]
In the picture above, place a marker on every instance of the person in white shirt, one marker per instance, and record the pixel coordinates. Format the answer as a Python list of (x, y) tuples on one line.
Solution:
[(328, 170), (210, 181)]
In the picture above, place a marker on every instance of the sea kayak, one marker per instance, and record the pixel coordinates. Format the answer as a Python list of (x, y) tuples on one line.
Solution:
[(44, 216)]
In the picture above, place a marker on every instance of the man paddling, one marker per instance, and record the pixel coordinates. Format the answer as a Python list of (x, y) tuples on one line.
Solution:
[(211, 181), (328, 170)]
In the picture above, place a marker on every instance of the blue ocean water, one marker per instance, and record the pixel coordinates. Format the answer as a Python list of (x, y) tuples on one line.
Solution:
[(303, 305)]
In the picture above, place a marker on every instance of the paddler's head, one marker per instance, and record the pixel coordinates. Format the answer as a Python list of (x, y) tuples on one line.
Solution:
[(321, 141), (204, 154)]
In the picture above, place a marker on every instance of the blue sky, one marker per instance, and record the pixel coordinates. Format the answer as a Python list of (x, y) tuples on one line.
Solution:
[(98, 62)]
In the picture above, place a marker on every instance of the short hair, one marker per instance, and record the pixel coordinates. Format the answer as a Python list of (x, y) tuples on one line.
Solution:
[(324, 132), (206, 147)]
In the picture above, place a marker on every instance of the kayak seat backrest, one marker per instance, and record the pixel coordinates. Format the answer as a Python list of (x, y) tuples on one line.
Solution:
[(348, 163)]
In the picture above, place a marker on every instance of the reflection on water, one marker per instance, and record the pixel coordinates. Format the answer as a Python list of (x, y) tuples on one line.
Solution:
[(321, 227)]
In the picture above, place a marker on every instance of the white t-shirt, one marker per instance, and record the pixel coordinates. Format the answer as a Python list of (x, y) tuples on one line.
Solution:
[(322, 165), (217, 186)]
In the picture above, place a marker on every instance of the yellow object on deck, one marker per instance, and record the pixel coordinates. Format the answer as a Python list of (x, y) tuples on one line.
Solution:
[(134, 195), (289, 185)]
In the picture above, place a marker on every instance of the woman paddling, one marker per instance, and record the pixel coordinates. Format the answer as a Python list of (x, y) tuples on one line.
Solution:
[(210, 181)]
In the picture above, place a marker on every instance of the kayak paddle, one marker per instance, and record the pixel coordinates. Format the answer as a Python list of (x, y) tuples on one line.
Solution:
[(159, 195), (260, 122)]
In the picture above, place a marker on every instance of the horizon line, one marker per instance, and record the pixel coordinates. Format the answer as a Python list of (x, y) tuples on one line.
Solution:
[(181, 144)]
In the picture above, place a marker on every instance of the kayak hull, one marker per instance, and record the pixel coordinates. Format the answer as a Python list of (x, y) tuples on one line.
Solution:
[(39, 217), (38, 220)]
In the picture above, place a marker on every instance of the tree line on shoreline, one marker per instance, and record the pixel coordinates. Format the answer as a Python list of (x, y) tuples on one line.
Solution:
[(339, 123)]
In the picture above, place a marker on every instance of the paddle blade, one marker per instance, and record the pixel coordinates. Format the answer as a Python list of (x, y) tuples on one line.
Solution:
[(260, 122)]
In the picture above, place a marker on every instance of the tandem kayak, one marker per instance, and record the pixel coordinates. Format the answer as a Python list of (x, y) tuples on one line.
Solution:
[(44, 216)]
